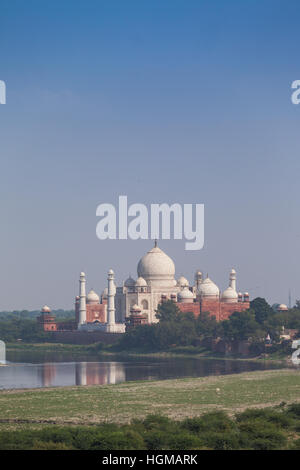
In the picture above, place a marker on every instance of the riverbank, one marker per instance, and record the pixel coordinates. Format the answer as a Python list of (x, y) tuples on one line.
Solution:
[(98, 350), (121, 403)]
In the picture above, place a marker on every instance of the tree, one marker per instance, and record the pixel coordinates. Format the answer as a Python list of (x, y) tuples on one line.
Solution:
[(241, 326), (261, 309), (297, 304), (168, 311), (207, 326)]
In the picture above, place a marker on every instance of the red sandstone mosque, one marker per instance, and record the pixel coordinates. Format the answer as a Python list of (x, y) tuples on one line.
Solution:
[(136, 301)]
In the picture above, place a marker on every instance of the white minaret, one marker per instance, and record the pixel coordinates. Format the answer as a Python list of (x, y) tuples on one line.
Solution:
[(111, 325), (232, 279), (198, 279), (82, 300), (111, 299)]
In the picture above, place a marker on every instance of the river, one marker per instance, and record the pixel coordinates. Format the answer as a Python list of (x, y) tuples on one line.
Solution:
[(27, 371)]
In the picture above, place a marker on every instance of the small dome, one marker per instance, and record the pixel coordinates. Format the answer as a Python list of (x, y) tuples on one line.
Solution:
[(182, 282), (129, 282), (282, 307), (185, 295), (92, 297), (229, 295), (82, 274), (46, 309), (135, 308), (140, 282), (208, 288)]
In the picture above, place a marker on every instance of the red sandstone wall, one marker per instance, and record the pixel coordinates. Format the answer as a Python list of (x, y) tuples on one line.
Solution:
[(220, 310), (185, 308), (47, 322), (229, 309), (91, 311), (95, 312)]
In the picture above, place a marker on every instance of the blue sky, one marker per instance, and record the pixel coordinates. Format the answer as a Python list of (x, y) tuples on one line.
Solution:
[(163, 101)]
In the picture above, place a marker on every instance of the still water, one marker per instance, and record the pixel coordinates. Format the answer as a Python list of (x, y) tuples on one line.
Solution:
[(87, 371)]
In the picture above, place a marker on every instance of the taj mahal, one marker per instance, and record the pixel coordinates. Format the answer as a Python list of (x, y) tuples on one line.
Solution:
[(136, 300)]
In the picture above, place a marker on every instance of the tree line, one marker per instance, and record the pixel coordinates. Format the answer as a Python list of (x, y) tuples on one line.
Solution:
[(184, 329)]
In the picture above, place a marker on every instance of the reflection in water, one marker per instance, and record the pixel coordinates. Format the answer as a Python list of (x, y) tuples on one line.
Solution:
[(46, 374), (99, 373), (50, 374)]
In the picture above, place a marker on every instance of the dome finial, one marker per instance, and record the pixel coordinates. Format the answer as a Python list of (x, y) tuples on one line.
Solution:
[(155, 243)]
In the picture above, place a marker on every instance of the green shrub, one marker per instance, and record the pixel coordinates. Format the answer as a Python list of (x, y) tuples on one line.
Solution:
[(228, 440), (118, 440), (258, 429), (156, 440), (279, 418), (183, 441), (258, 434), (295, 445), (163, 423), (214, 421), (294, 410), (41, 445)]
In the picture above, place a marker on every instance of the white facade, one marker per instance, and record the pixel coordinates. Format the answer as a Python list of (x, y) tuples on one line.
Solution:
[(156, 278)]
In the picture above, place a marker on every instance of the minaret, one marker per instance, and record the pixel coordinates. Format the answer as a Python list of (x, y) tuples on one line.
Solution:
[(232, 279), (111, 299), (82, 300), (198, 279)]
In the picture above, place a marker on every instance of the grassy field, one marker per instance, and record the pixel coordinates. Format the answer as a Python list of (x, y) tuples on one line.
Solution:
[(121, 403)]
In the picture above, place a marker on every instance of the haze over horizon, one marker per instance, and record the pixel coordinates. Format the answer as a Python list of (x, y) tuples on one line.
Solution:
[(162, 101)]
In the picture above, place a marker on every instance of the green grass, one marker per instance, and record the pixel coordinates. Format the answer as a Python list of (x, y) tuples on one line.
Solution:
[(178, 399)]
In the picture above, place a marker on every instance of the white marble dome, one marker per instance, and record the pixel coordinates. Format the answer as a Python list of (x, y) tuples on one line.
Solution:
[(140, 282), (208, 288), (282, 307), (157, 268), (135, 308), (130, 282), (185, 295), (229, 295), (92, 297), (182, 282), (46, 309)]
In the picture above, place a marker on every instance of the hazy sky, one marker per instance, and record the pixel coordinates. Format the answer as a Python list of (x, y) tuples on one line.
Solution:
[(163, 101)]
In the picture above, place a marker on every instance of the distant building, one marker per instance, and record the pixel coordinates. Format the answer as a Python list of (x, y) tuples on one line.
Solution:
[(49, 323), (280, 307), (136, 301)]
